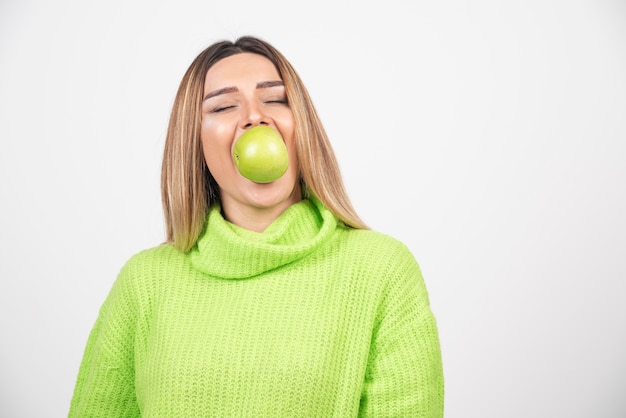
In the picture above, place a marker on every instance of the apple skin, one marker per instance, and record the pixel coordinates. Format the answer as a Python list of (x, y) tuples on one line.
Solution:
[(260, 154)]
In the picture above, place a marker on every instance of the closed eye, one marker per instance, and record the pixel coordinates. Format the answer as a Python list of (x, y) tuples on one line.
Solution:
[(221, 108), (280, 101)]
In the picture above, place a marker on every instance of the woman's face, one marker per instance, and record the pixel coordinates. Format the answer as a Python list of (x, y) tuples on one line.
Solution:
[(240, 92)]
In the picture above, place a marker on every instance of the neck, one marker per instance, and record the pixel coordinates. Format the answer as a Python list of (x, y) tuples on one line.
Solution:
[(256, 217)]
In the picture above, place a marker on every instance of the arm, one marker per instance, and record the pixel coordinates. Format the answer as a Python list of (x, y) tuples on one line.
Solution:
[(404, 375), (105, 384)]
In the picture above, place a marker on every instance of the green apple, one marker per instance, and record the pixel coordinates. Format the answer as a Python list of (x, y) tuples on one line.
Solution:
[(260, 154)]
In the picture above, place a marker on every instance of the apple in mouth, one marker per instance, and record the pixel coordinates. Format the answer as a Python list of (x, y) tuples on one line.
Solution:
[(260, 154)]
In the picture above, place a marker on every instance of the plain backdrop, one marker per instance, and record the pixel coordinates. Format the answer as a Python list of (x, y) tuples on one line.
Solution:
[(488, 136)]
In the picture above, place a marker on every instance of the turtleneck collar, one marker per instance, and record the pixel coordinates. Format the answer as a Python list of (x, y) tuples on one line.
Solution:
[(227, 251)]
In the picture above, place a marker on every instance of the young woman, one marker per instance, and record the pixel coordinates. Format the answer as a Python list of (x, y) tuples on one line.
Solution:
[(268, 299)]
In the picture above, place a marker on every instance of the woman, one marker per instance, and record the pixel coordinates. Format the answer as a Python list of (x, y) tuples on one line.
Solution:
[(269, 299)]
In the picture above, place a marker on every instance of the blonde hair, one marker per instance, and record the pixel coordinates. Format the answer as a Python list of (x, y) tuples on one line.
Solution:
[(187, 187)]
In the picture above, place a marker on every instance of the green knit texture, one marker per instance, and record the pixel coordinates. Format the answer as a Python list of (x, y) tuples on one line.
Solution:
[(307, 319)]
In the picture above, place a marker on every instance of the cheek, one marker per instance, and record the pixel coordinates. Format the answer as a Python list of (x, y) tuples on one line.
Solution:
[(287, 128), (294, 168), (216, 147), (292, 151)]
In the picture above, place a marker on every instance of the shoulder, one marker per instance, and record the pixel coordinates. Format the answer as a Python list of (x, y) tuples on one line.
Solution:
[(157, 257), (140, 277), (146, 267), (375, 243), (377, 254)]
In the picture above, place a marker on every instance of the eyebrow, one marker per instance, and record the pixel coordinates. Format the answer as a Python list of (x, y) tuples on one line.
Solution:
[(259, 85)]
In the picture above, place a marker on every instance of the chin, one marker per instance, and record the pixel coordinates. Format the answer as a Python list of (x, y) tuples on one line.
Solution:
[(277, 193)]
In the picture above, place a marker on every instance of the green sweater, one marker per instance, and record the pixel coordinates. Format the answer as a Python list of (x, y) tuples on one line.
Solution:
[(307, 319)]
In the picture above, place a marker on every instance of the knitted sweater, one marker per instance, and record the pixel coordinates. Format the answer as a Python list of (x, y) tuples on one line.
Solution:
[(307, 319)]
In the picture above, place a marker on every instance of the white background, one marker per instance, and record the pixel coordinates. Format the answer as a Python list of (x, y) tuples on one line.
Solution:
[(489, 136)]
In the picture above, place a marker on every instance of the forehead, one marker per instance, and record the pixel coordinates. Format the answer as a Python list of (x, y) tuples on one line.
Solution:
[(240, 69)]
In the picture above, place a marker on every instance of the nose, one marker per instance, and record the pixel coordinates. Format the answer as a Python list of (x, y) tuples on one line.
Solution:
[(254, 116)]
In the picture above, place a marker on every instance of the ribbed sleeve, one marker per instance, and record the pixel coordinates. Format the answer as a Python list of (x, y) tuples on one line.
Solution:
[(404, 375), (105, 385)]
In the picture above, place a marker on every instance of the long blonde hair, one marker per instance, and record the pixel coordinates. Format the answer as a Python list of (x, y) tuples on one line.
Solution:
[(187, 187)]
